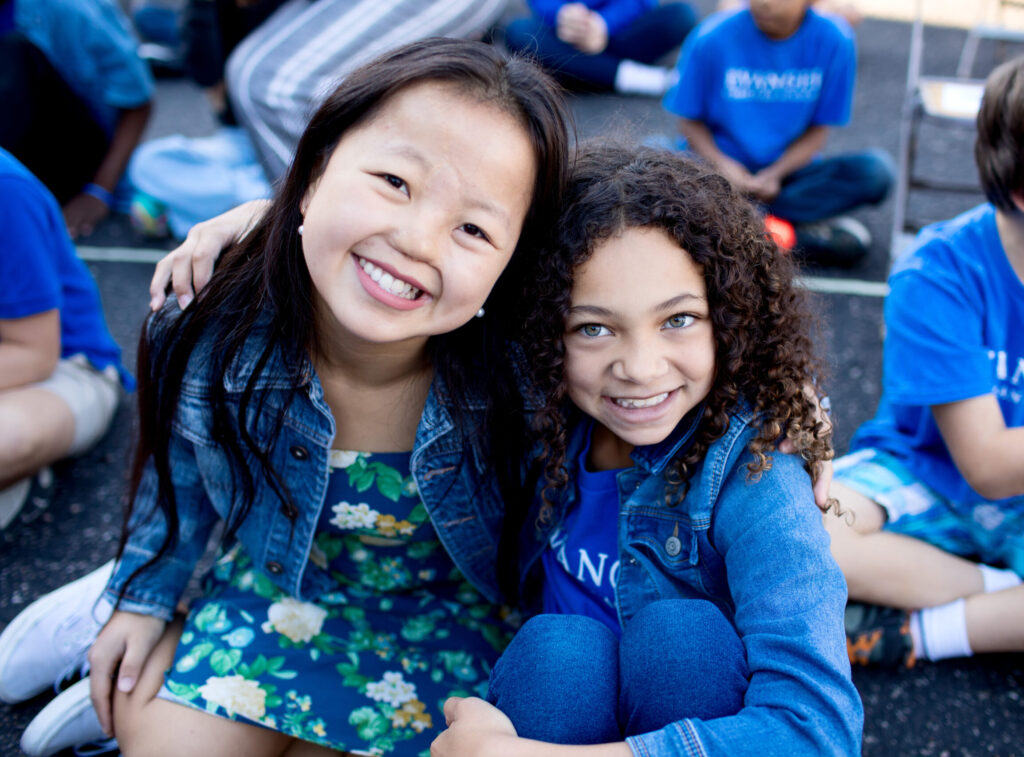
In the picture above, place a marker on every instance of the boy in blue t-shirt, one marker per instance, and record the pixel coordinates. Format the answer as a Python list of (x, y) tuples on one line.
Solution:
[(60, 370), (938, 475), (758, 89)]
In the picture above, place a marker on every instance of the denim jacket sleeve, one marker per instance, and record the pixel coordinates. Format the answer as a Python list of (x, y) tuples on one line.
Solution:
[(789, 598), (156, 590)]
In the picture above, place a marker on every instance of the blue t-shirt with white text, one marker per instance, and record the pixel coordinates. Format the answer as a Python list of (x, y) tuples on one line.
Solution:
[(954, 322), (757, 95), (581, 561)]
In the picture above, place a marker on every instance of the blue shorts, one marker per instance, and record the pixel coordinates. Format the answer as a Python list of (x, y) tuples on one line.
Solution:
[(993, 533)]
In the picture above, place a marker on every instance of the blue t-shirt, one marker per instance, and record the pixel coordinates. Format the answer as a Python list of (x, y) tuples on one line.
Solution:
[(617, 14), (40, 270), (91, 44), (581, 561), (757, 95), (954, 323)]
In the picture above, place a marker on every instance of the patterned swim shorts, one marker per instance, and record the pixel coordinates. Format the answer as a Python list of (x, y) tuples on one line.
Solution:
[(991, 532)]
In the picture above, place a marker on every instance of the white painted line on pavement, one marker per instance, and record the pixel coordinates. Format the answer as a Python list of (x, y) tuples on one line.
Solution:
[(821, 284), (858, 287), (119, 254)]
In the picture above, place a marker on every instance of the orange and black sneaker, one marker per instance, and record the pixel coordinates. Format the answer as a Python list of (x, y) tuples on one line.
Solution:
[(877, 635)]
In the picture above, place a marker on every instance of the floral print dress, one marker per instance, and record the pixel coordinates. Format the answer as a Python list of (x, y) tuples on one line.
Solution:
[(366, 667)]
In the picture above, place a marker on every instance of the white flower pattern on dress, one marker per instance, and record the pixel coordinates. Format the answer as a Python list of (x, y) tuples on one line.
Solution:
[(342, 458), (236, 695), (369, 627), (349, 516), (299, 621), (393, 689)]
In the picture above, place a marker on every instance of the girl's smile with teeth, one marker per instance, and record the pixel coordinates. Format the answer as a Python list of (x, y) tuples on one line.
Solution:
[(635, 402), (388, 282)]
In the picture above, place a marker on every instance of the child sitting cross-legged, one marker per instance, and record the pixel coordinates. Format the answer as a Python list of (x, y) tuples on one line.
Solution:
[(759, 87), (936, 478), (689, 601)]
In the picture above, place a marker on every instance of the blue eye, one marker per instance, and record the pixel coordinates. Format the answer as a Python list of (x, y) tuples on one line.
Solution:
[(679, 321), (593, 329)]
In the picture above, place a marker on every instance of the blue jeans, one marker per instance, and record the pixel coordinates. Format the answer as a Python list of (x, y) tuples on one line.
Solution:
[(829, 186), (566, 679), (648, 38)]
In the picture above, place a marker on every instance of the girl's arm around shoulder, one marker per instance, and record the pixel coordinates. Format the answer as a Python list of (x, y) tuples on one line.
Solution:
[(478, 729), (789, 598)]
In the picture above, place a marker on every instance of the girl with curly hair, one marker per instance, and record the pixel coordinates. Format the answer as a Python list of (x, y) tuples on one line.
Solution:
[(690, 603)]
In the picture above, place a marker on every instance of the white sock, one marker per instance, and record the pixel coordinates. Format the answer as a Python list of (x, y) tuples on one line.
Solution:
[(640, 79), (915, 634), (997, 579), (940, 632)]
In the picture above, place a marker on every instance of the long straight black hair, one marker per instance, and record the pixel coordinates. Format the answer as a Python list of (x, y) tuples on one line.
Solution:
[(262, 282)]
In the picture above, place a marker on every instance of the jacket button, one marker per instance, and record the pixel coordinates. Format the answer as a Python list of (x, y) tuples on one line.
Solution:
[(275, 567), (673, 546), (299, 453)]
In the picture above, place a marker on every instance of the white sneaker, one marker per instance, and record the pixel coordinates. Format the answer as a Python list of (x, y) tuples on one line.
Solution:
[(51, 636), (68, 721)]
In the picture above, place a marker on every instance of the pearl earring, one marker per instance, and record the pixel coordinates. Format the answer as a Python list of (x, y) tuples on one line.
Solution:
[(301, 229), (480, 313)]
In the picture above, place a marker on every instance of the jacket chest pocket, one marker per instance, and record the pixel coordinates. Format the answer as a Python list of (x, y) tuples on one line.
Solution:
[(665, 539)]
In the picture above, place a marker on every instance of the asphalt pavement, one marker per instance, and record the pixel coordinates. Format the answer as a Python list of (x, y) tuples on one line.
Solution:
[(961, 707)]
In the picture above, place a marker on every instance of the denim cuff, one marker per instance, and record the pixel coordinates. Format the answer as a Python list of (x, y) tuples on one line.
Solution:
[(679, 738)]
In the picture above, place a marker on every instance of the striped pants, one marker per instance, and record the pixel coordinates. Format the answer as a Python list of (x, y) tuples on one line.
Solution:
[(277, 75)]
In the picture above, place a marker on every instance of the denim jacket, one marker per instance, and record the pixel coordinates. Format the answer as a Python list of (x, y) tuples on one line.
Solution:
[(759, 552), (454, 483)]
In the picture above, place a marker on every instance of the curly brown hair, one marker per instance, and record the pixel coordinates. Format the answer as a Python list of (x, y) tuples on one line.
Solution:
[(764, 352)]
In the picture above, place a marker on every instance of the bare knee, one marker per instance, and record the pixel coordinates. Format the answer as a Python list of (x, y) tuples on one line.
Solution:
[(20, 443), (857, 512), (38, 428), (858, 519)]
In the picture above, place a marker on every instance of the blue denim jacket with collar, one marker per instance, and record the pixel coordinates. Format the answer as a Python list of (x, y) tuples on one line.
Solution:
[(758, 551), (454, 482)]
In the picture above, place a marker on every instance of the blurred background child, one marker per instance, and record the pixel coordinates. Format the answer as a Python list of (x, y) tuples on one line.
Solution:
[(60, 370), (759, 87), (936, 479)]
